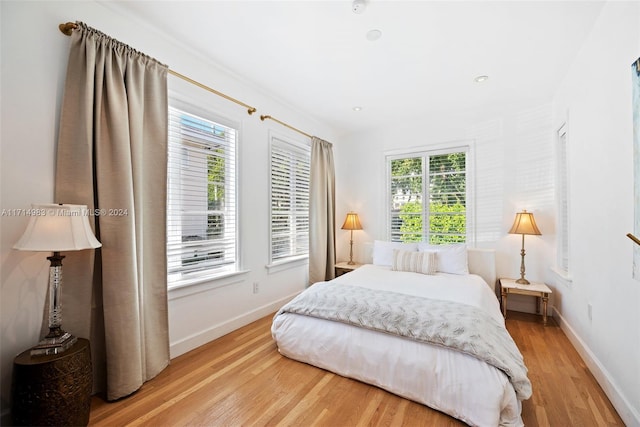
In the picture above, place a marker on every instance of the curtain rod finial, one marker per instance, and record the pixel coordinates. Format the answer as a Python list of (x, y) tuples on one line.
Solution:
[(251, 110), (634, 238), (263, 118), (67, 28)]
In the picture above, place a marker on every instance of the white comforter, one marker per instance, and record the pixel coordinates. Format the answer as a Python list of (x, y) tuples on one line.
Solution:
[(444, 379)]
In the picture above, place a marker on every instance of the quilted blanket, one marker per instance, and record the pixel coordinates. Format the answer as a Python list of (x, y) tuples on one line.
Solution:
[(453, 325)]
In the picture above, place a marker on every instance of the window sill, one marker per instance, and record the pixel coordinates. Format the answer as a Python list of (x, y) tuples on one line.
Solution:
[(563, 276), (288, 263), (205, 283)]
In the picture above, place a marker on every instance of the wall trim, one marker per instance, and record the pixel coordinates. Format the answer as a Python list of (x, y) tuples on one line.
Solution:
[(196, 340), (626, 411)]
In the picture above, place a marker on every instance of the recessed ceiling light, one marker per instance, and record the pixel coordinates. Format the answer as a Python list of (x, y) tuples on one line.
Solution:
[(373, 35), (481, 79), (356, 108)]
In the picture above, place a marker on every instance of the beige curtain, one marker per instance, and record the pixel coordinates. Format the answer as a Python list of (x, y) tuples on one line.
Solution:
[(112, 157), (322, 230)]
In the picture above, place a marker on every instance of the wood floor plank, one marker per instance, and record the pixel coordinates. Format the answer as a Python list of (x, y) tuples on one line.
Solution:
[(241, 380)]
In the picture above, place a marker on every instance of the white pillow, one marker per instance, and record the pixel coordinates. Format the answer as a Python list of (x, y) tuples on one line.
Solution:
[(416, 262), (383, 251), (450, 258)]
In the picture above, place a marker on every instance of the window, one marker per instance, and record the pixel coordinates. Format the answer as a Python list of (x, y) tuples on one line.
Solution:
[(563, 202), (289, 190), (201, 197), (439, 177)]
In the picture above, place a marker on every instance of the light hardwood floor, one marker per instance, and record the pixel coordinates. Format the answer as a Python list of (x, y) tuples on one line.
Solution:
[(242, 380)]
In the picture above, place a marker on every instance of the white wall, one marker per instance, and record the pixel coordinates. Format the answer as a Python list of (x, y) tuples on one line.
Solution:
[(515, 167), (595, 101), (34, 55), (513, 155)]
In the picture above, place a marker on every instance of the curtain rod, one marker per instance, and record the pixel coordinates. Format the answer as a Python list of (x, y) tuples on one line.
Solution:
[(263, 118), (68, 28)]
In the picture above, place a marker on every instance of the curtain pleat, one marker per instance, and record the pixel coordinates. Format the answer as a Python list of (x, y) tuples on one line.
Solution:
[(322, 234), (112, 157)]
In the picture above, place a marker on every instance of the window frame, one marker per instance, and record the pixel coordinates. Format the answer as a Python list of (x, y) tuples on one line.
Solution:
[(563, 185), (425, 152), (283, 142), (229, 270)]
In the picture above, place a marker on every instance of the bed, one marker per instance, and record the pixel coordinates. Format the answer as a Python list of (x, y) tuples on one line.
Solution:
[(423, 350)]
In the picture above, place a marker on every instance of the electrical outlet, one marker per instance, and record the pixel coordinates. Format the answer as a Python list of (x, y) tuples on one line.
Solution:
[(256, 287), (589, 311)]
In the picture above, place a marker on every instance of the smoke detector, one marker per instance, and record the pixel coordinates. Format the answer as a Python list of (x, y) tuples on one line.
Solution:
[(358, 6)]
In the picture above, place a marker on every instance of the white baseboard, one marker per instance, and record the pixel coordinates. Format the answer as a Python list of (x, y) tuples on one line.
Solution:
[(627, 412), (194, 341)]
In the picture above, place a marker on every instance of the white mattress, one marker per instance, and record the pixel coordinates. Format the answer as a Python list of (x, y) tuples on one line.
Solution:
[(452, 382)]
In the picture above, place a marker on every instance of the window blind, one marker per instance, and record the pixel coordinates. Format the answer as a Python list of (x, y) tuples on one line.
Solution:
[(447, 198), (289, 187), (440, 178), (563, 202), (407, 193), (201, 197)]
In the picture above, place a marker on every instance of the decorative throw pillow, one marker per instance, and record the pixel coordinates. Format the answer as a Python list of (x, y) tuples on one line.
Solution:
[(449, 258), (416, 262), (383, 251)]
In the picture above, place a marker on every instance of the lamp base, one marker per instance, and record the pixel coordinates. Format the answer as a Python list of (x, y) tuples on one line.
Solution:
[(523, 281), (54, 344)]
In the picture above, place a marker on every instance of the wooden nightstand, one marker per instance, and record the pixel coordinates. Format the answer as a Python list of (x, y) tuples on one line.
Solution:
[(538, 290), (344, 267)]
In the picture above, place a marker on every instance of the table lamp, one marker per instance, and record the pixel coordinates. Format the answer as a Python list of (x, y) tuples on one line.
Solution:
[(524, 224), (351, 223), (56, 228)]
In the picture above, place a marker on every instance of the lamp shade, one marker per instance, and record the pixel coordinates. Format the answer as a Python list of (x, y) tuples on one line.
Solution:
[(524, 224), (352, 222), (57, 228)]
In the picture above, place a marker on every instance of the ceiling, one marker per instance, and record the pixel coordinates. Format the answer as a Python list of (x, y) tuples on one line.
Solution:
[(315, 56)]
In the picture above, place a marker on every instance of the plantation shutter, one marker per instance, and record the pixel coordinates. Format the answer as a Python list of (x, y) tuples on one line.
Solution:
[(290, 172), (439, 177), (407, 192), (201, 199), (563, 202), (447, 198)]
